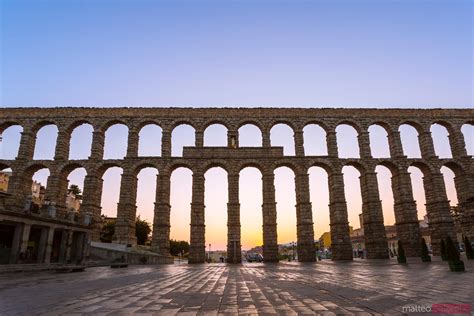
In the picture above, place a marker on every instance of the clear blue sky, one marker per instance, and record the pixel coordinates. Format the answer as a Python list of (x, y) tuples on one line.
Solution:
[(237, 53)]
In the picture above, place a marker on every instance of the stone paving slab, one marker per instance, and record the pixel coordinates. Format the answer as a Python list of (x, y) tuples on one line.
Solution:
[(324, 288)]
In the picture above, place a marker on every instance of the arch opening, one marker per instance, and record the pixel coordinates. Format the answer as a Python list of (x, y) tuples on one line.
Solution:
[(347, 141), (314, 140), (146, 193), (74, 189), (282, 135), (441, 144), (180, 200), (379, 147), (319, 197), (10, 142), (251, 216), (116, 141), (111, 191), (81, 142), (250, 136), (286, 209), (215, 200), (419, 195), (45, 145), (410, 142), (181, 136), (215, 135), (149, 141)]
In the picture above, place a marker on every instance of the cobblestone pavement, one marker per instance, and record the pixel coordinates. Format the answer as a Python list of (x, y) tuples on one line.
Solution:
[(328, 288)]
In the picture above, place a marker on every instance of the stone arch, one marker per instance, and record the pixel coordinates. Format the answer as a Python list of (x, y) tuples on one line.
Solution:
[(211, 122), (257, 123), (100, 169), (42, 123), (106, 125), (177, 123), (287, 122), (361, 167), (323, 165), (6, 124), (288, 164), (76, 123), (251, 164), (141, 124), (215, 164), (387, 196), (170, 168), (143, 165)]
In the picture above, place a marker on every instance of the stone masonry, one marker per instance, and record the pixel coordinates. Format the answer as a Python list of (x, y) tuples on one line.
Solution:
[(266, 158)]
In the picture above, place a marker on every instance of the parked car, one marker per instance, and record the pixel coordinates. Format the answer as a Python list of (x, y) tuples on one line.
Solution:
[(254, 257)]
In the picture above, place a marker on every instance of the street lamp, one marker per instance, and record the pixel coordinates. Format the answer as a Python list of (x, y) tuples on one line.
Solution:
[(209, 253)]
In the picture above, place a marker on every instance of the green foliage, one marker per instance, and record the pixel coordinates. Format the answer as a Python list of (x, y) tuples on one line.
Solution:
[(468, 247), (76, 190), (425, 256), (142, 230), (401, 258), (444, 253), (179, 247), (107, 233)]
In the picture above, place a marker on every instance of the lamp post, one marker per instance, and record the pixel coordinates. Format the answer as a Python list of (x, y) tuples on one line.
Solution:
[(209, 256)]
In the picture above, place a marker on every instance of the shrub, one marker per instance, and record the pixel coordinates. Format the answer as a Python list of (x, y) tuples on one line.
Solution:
[(425, 256), (401, 253)]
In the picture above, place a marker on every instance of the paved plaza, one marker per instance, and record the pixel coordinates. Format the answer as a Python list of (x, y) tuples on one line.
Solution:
[(329, 288)]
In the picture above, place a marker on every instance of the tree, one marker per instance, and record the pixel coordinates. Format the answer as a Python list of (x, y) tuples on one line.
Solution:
[(76, 190), (178, 247), (468, 246), (107, 233), (142, 230), (425, 256), (401, 253)]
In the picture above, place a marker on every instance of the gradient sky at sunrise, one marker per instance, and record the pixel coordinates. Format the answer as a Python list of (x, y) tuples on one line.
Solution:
[(237, 53)]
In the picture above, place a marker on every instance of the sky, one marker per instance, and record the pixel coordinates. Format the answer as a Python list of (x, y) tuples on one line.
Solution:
[(237, 53)]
